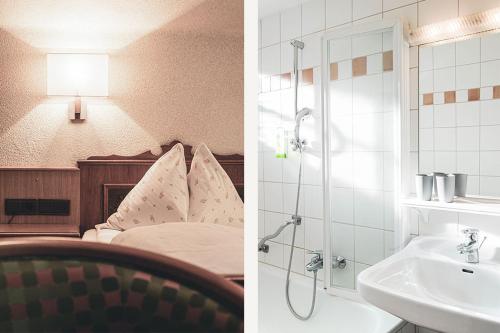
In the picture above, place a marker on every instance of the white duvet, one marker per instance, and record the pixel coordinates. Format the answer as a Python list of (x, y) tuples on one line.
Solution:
[(217, 248)]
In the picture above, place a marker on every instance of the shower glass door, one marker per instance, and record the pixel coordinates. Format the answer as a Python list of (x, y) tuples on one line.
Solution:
[(362, 151)]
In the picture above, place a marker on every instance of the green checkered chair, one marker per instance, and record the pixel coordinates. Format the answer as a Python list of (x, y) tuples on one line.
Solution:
[(75, 286)]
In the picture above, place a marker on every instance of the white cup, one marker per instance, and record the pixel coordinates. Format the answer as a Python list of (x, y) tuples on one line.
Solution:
[(434, 174), (460, 184), (424, 186), (445, 187)]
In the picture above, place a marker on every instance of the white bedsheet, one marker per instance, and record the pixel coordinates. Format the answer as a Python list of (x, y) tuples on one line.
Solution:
[(217, 248), (100, 235), (107, 235), (90, 235)]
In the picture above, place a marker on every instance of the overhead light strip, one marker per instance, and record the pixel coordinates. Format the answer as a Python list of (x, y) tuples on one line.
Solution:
[(456, 28)]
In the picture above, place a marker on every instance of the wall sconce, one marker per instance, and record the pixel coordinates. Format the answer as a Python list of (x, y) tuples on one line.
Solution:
[(77, 75)]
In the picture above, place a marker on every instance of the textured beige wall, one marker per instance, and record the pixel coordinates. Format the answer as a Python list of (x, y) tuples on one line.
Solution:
[(183, 81)]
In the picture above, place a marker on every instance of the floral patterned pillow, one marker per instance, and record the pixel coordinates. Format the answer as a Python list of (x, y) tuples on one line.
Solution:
[(161, 196), (212, 196)]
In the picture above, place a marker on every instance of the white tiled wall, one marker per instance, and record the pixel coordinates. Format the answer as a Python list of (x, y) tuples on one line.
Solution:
[(278, 177), (463, 136), (277, 184), (318, 15), (307, 22)]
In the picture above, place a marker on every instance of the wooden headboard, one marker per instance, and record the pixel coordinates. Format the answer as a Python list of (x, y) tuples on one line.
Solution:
[(105, 180)]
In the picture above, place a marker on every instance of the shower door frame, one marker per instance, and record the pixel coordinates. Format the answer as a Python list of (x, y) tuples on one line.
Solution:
[(401, 136)]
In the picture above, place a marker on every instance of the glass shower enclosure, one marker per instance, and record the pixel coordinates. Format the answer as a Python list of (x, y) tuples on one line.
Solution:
[(364, 149)]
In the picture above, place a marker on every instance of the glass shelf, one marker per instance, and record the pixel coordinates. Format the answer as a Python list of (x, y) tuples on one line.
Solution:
[(471, 205)]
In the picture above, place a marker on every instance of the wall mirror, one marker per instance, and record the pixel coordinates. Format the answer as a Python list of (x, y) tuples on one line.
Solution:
[(459, 110)]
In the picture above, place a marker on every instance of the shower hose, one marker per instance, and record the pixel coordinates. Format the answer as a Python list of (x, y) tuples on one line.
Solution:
[(287, 288)]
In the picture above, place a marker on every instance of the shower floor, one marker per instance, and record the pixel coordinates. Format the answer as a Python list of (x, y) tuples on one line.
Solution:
[(332, 314)]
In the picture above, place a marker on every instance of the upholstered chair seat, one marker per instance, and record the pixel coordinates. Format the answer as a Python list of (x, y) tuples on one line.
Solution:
[(73, 286)]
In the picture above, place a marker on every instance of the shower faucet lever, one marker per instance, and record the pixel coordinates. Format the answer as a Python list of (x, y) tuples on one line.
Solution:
[(316, 261), (316, 252)]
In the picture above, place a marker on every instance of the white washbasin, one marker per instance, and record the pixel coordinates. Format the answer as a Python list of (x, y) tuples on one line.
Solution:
[(429, 283)]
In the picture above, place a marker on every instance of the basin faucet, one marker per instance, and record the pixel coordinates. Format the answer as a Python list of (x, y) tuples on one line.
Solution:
[(316, 262), (471, 246)]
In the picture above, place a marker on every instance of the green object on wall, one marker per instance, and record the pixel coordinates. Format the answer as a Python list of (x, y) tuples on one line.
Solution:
[(281, 143)]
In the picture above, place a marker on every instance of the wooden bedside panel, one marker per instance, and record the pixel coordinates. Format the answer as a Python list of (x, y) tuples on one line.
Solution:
[(22, 230), (41, 183)]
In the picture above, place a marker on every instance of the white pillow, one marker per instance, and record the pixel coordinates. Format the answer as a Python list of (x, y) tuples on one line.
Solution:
[(161, 196), (212, 196)]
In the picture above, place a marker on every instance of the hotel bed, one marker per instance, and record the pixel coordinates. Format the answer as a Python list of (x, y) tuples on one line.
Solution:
[(105, 182), (217, 248)]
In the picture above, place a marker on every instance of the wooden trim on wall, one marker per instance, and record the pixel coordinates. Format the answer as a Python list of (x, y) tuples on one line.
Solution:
[(148, 156), (25, 229)]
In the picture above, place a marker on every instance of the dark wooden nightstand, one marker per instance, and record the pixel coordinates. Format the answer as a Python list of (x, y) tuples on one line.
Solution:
[(40, 183), (36, 230)]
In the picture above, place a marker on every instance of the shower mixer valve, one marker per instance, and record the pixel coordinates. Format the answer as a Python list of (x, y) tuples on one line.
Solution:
[(316, 262), (297, 144)]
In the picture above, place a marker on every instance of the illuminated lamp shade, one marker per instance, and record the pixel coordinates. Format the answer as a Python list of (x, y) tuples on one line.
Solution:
[(78, 75)]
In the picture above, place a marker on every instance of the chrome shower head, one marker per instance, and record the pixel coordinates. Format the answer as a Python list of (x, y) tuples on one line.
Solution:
[(296, 142), (302, 113), (298, 119)]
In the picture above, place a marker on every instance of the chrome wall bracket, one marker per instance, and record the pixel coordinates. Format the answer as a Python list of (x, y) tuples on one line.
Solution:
[(339, 262)]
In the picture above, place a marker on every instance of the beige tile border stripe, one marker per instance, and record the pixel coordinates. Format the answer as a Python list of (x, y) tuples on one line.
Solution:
[(473, 94), (387, 60), (359, 66), (284, 81)]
